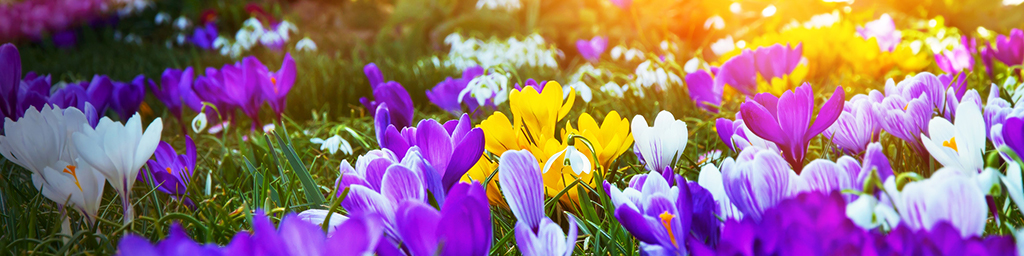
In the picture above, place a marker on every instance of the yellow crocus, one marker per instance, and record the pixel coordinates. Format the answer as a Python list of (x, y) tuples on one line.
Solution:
[(610, 139), (537, 114)]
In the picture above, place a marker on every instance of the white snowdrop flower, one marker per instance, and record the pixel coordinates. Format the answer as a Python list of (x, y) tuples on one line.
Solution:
[(509, 5), (492, 86), (199, 122), (161, 18), (580, 87), (614, 89), (617, 52), (180, 39), (691, 65), (306, 44), (181, 23), (573, 158), (269, 128), (333, 144), (723, 46)]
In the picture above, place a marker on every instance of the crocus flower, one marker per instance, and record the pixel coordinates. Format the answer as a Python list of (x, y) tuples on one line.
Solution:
[(212, 88), (787, 120), (704, 91), (244, 83), (446, 94), (333, 144), (176, 92), (99, 90), (943, 144), (591, 50), (171, 172), (127, 97), (539, 110), (41, 142), (118, 152), (11, 104), (777, 60), (523, 187), (710, 178), (280, 84), (736, 135), (905, 118), (451, 148), (204, 36), (948, 195), (738, 72), (610, 139), (397, 100), (858, 124), (955, 60), (623, 4), (883, 30), (660, 214), (461, 227), (34, 92), (662, 143), (1010, 49)]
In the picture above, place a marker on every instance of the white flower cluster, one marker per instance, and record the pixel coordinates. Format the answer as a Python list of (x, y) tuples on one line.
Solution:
[(648, 74), (576, 81), (532, 51), (510, 5), (333, 144), (251, 33), (628, 53), (493, 85)]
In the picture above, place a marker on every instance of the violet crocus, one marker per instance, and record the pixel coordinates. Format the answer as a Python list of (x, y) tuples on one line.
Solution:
[(243, 84), (280, 84), (787, 120), (523, 187), (592, 49), (34, 91), (99, 90), (530, 82), (175, 91), (10, 82), (446, 94), (170, 172), (738, 72), (461, 227), (777, 60), (452, 149), (704, 91), (663, 216), (956, 60), (204, 36), (211, 88), (127, 97), (392, 94), (736, 135), (883, 30), (858, 124), (1012, 134), (1010, 49)]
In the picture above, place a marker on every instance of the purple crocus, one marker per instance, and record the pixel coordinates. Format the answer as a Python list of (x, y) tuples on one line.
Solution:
[(171, 172), (177, 242), (622, 4), (451, 148), (1013, 134), (10, 82), (777, 60), (392, 94), (1010, 49), (591, 50), (704, 91), (883, 30), (661, 215), (858, 124), (956, 60), (175, 91), (34, 91), (127, 97), (99, 90), (211, 88), (787, 120), (204, 36), (738, 72), (520, 178), (539, 87), (446, 94), (461, 227), (243, 83), (280, 84), (74, 96)]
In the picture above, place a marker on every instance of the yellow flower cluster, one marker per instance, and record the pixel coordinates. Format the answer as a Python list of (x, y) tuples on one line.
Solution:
[(534, 127)]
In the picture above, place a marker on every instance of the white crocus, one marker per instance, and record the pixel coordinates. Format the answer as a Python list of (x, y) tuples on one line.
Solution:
[(118, 151), (333, 144), (959, 144), (41, 138), (710, 178), (80, 185), (199, 122), (662, 143), (305, 44), (575, 159)]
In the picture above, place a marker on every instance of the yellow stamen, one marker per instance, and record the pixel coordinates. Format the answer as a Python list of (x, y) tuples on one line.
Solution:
[(273, 81), (70, 169), (951, 143), (666, 220), (905, 107), (145, 110)]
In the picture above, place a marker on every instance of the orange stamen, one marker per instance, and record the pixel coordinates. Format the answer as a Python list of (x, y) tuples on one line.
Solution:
[(70, 169), (951, 143), (666, 220), (169, 170), (273, 81)]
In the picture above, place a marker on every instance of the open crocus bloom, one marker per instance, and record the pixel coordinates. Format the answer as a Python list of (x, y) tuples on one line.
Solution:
[(610, 139), (662, 143), (786, 120), (949, 195), (883, 30), (858, 124), (523, 187), (452, 148), (80, 185), (959, 145), (127, 97), (280, 84), (461, 227), (171, 172), (1010, 49), (42, 137), (592, 50), (661, 215), (118, 152)]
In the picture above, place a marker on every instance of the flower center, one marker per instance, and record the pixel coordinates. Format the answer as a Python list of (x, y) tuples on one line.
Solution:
[(169, 170), (273, 81), (70, 169), (951, 143), (666, 220)]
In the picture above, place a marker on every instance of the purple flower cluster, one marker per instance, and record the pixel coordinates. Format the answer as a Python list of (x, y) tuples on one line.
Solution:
[(816, 224), (446, 94), (34, 18), (741, 73), (244, 85)]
